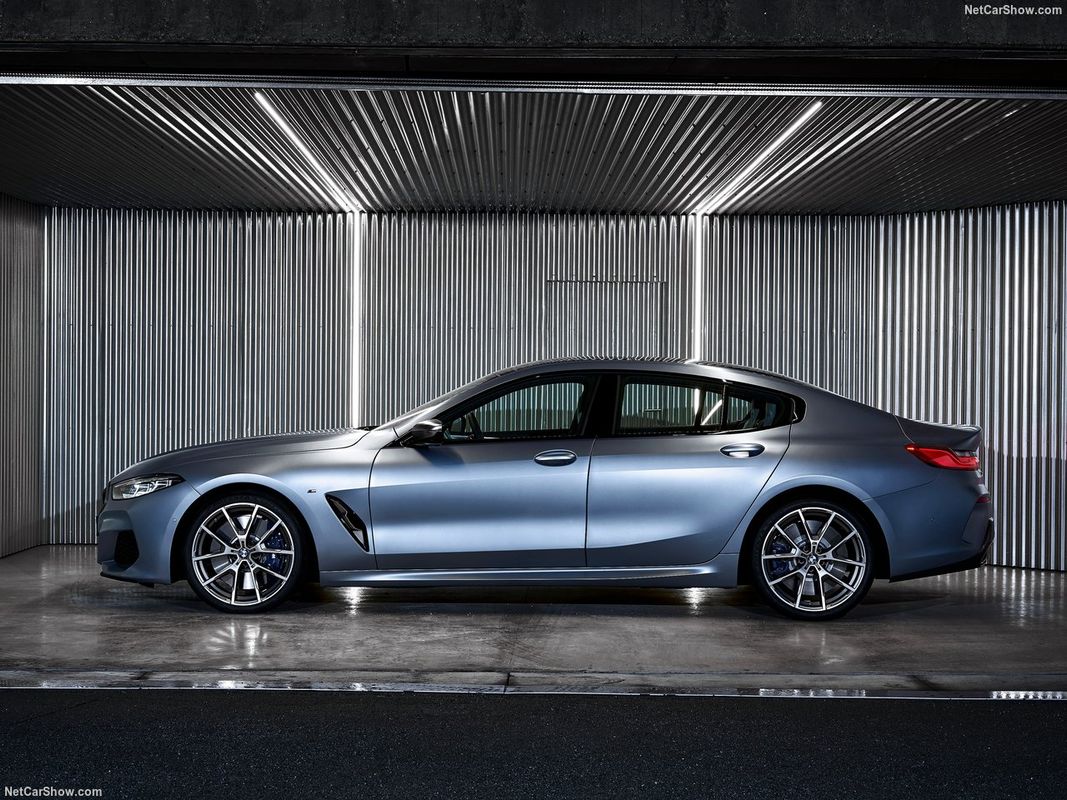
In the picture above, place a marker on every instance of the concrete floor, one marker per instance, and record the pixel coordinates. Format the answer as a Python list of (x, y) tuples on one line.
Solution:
[(988, 630)]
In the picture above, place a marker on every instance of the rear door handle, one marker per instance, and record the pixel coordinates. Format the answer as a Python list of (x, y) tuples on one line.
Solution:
[(555, 458), (746, 450)]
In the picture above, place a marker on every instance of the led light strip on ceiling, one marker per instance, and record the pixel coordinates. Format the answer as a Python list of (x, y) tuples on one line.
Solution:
[(716, 202), (340, 197), (727, 192)]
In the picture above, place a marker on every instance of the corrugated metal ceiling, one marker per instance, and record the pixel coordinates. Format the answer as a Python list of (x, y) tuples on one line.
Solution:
[(168, 146)]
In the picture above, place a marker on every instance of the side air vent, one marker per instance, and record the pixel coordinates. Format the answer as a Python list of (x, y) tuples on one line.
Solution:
[(353, 524)]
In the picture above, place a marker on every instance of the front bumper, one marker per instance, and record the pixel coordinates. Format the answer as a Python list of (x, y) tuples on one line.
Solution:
[(135, 537)]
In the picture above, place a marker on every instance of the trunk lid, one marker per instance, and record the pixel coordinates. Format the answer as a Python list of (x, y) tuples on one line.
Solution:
[(961, 438)]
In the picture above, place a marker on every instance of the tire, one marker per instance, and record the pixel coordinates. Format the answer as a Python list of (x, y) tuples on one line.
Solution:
[(243, 554), (806, 570)]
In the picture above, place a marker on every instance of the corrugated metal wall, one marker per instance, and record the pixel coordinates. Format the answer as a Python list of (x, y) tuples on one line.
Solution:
[(21, 260), (953, 317), (172, 328), (168, 328), (451, 297)]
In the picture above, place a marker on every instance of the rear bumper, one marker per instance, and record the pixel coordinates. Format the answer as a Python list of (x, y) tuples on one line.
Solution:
[(970, 562)]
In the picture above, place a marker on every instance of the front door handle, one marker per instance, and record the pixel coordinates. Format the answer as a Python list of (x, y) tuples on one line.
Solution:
[(746, 450), (555, 458)]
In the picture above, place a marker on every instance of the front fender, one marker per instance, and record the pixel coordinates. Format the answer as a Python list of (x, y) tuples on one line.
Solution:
[(306, 490)]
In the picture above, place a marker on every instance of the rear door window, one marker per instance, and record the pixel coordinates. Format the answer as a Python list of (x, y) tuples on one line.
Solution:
[(664, 406), (650, 405)]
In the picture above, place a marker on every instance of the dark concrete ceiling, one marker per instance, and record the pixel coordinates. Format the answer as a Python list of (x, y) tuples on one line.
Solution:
[(770, 40), (488, 24), (573, 148)]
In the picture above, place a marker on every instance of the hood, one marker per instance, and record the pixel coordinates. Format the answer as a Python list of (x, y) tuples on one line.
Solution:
[(237, 448)]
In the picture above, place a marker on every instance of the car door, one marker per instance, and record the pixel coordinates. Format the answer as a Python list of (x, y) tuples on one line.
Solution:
[(684, 461), (504, 488)]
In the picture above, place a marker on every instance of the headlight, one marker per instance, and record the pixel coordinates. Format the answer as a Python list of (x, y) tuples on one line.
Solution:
[(136, 487)]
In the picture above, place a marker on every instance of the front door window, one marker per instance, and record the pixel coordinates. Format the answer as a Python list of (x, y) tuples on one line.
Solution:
[(548, 410)]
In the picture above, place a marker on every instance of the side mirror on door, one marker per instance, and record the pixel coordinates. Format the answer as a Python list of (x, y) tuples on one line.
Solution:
[(427, 431)]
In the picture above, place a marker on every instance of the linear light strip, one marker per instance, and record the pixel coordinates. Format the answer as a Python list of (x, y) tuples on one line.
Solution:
[(353, 235), (696, 282), (730, 189), (340, 197), (821, 154), (356, 221), (696, 334)]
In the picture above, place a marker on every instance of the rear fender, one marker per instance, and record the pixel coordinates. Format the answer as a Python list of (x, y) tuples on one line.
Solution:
[(771, 494)]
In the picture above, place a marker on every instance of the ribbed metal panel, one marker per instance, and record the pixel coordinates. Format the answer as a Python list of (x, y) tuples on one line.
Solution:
[(168, 329), (448, 298), (140, 147), (21, 273), (447, 150), (655, 153), (952, 317)]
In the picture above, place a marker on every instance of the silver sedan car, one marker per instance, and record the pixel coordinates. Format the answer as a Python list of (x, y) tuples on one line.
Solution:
[(582, 472)]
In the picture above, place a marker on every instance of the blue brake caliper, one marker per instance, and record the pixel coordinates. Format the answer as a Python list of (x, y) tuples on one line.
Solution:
[(779, 568), (273, 560)]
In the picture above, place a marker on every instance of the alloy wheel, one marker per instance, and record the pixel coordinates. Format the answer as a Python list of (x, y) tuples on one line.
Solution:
[(243, 554), (813, 559)]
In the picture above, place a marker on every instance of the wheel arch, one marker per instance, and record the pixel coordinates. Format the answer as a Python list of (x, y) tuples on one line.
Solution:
[(816, 492), (183, 529)]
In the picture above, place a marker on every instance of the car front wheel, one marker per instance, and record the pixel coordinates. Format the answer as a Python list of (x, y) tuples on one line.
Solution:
[(243, 554), (811, 560)]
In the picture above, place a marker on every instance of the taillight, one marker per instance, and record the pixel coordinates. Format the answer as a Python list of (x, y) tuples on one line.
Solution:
[(943, 457)]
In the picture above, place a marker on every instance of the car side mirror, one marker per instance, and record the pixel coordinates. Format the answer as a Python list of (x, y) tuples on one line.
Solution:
[(427, 431)]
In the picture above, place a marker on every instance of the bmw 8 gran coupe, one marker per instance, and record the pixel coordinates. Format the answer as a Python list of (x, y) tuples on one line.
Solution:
[(653, 473)]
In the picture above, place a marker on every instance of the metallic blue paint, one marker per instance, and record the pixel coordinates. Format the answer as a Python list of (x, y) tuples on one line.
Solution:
[(638, 510)]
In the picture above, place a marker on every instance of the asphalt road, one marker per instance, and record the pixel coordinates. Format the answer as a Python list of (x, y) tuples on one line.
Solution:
[(244, 744)]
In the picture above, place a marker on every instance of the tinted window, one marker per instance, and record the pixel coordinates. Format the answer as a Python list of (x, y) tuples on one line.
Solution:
[(552, 409), (661, 407), (666, 405), (748, 409)]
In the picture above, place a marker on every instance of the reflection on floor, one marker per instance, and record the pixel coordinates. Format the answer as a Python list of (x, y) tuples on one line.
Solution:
[(988, 629)]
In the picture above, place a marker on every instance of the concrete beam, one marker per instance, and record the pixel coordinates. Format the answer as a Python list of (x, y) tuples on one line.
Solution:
[(584, 24)]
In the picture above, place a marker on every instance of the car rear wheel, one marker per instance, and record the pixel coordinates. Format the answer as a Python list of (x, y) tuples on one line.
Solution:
[(243, 554), (811, 560)]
